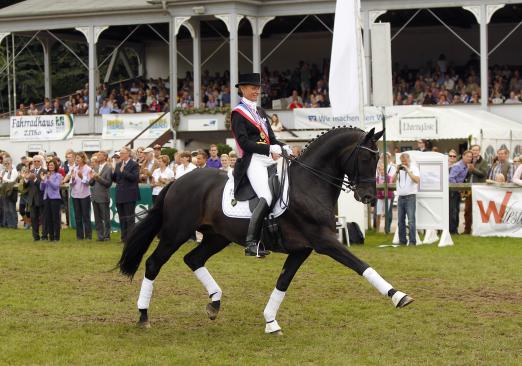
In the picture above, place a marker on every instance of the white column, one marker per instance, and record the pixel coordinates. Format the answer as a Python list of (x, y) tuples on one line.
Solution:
[(196, 63), (483, 56), (93, 65), (367, 55), (46, 45), (256, 48), (173, 68), (234, 69)]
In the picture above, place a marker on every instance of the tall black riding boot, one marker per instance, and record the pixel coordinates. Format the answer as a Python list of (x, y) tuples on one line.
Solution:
[(254, 230)]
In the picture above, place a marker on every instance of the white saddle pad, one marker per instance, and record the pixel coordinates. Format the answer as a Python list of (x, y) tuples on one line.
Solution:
[(242, 210)]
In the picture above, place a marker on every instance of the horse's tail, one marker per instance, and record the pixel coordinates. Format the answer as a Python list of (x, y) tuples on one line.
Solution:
[(139, 240)]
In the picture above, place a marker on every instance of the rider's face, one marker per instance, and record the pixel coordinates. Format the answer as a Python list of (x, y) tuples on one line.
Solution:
[(250, 92)]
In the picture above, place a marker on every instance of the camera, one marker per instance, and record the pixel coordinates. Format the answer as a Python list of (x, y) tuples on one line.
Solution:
[(401, 167)]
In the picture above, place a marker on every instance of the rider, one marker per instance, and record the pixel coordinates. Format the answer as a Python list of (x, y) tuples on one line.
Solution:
[(259, 148)]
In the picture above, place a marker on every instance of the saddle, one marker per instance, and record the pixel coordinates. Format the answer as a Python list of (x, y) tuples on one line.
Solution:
[(241, 204)]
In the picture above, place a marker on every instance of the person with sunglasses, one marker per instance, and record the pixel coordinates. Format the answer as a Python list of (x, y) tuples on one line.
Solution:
[(477, 173)]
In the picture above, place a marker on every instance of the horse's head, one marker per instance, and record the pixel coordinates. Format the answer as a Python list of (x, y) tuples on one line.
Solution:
[(361, 165)]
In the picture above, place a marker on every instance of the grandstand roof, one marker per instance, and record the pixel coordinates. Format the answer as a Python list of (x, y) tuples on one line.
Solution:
[(30, 8)]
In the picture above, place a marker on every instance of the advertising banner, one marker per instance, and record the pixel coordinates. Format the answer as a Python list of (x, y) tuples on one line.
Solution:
[(51, 127), (315, 118), (127, 126), (497, 211)]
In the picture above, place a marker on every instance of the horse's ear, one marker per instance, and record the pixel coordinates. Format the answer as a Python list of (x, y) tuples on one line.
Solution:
[(378, 135), (369, 135)]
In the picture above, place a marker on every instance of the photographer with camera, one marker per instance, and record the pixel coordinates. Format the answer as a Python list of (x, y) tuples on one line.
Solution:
[(407, 179)]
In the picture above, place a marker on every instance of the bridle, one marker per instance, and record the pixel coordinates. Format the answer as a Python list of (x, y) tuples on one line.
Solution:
[(344, 184)]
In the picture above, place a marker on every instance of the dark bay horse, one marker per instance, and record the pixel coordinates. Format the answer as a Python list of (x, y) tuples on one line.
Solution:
[(193, 202)]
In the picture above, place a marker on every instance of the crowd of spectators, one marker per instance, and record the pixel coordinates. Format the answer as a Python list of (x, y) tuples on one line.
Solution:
[(471, 168), (443, 83), (43, 186), (304, 86)]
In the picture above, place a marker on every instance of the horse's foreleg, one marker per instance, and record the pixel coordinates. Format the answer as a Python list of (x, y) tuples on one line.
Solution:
[(196, 259), (334, 249), (152, 267), (292, 264)]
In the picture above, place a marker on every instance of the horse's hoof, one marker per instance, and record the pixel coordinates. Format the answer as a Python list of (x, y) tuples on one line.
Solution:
[(277, 333), (400, 299), (212, 312), (405, 301), (144, 324)]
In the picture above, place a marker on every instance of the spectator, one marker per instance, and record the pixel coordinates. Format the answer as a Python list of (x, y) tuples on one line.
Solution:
[(33, 111), (10, 194), (57, 107), (50, 183), (275, 123), (225, 163), (232, 159), (501, 167), (517, 176), (157, 152), (407, 179), (21, 110), (81, 197), (126, 175), (161, 176), (186, 166), (213, 161), (105, 108), (23, 163), (100, 179), (47, 109), (452, 159), (295, 104), (32, 180), (458, 174), (477, 173), (23, 208), (148, 166), (380, 205), (201, 159), (422, 145)]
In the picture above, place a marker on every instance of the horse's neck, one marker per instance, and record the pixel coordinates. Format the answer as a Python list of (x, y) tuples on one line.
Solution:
[(325, 161)]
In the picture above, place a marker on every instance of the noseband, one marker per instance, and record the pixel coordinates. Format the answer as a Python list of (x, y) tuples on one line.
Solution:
[(344, 184)]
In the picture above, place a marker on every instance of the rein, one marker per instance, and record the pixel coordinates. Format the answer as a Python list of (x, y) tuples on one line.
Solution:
[(344, 184)]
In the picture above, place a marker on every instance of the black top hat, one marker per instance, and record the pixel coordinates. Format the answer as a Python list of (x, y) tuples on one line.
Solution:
[(249, 79)]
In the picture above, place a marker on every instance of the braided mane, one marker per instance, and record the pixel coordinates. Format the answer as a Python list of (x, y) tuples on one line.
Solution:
[(313, 143)]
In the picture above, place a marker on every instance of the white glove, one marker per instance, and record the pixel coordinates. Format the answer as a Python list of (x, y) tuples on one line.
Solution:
[(288, 149), (275, 149)]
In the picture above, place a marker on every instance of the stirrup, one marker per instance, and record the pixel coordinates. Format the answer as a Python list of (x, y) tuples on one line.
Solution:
[(253, 250)]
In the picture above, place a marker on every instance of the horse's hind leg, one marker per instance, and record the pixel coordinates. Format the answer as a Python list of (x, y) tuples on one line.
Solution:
[(292, 264), (157, 259), (211, 244), (330, 246)]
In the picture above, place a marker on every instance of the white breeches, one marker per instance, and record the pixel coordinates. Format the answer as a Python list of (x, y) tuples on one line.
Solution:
[(258, 176)]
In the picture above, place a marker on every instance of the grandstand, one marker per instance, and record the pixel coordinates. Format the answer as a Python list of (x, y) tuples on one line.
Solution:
[(140, 46)]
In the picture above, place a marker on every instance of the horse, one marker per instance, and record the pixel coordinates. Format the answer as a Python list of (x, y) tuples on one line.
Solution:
[(342, 157)]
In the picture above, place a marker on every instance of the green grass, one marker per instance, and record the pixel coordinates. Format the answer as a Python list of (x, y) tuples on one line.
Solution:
[(61, 304)]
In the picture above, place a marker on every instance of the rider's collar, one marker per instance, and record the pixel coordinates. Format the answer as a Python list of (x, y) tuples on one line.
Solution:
[(249, 103)]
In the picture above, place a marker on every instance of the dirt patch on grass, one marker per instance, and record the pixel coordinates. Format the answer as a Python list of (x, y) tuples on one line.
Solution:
[(488, 302)]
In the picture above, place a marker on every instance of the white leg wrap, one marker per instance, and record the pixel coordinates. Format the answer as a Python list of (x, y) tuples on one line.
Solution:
[(145, 293), (377, 281), (272, 327), (204, 276), (273, 306), (397, 297)]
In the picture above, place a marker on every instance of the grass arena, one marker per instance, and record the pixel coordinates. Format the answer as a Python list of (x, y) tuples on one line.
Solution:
[(63, 304)]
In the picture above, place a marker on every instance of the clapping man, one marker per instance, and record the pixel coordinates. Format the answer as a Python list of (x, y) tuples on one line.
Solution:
[(32, 181), (101, 181), (126, 176)]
